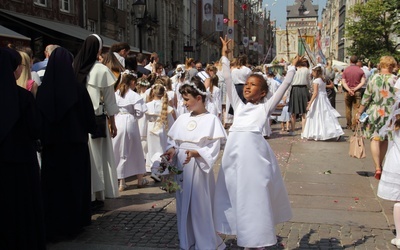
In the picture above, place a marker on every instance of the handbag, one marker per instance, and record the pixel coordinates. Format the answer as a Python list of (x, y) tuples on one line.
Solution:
[(357, 146), (101, 125)]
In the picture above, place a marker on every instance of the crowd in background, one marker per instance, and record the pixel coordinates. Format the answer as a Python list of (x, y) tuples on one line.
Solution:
[(78, 126)]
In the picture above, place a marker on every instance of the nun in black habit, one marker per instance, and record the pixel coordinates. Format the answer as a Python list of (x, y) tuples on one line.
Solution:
[(21, 225), (67, 118)]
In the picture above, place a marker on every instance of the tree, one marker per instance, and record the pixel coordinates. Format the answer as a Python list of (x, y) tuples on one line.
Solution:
[(371, 28)]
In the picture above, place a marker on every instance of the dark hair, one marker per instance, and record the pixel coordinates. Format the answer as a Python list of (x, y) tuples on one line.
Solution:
[(140, 57), (353, 59), (302, 62), (117, 47), (186, 89), (130, 62)]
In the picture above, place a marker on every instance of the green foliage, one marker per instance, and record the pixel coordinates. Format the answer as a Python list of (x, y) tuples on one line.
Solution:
[(371, 28)]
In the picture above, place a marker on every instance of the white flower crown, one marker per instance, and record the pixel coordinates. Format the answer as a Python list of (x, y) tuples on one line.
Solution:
[(195, 87)]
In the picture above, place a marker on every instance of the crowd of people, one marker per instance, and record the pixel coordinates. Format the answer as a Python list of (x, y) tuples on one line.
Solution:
[(87, 122)]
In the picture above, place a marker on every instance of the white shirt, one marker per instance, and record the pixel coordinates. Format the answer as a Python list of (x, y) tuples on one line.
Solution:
[(239, 76)]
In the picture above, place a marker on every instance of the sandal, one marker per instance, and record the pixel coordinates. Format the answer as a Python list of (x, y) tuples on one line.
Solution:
[(143, 184), (378, 174)]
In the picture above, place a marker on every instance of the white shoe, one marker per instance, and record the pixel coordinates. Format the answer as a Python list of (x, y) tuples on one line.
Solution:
[(395, 242), (155, 177)]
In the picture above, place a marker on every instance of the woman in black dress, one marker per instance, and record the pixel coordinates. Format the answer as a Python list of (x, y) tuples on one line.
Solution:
[(67, 118), (22, 224)]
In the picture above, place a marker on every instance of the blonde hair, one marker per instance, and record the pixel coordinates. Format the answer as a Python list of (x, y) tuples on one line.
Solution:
[(387, 62), (159, 90), (26, 70)]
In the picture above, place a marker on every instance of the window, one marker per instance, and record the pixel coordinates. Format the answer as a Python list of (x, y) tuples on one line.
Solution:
[(91, 26), (65, 5), (121, 36), (121, 4), (41, 2)]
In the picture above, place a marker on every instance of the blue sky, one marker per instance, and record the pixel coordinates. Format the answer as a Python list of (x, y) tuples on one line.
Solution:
[(278, 9)]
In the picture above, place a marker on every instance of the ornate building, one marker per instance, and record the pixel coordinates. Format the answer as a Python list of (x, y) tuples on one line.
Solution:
[(301, 31)]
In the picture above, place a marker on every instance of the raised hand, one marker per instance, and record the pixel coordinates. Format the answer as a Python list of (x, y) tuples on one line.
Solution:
[(225, 41)]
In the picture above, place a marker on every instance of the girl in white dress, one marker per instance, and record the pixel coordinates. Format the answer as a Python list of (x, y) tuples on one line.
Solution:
[(141, 87), (322, 119), (389, 184), (214, 105), (194, 145), (250, 196), (127, 147), (159, 118)]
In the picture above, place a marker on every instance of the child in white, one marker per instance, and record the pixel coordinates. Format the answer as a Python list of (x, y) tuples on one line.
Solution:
[(284, 118), (195, 140), (389, 184), (322, 119), (250, 196), (141, 87), (177, 81), (214, 106), (159, 120), (127, 147)]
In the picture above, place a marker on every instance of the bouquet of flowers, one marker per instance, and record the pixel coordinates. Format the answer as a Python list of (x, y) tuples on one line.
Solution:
[(168, 172)]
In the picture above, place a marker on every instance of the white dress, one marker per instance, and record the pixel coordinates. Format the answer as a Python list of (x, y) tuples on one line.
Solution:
[(156, 132), (322, 119), (194, 202), (214, 105), (100, 85), (250, 196), (143, 129), (389, 184), (127, 147)]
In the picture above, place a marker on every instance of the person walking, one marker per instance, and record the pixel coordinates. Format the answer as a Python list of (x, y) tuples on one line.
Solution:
[(377, 101), (68, 117), (22, 226), (99, 81), (353, 79), (299, 94), (322, 119), (127, 146)]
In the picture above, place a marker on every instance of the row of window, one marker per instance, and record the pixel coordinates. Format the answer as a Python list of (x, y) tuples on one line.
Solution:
[(65, 5)]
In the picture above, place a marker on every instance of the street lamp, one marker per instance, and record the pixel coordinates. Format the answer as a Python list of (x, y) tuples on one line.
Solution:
[(139, 11)]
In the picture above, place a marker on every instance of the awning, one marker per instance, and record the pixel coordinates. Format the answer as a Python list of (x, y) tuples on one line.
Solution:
[(4, 32), (71, 30)]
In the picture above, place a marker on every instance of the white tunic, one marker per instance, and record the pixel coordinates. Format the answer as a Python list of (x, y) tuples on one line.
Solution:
[(127, 146), (100, 85), (156, 132), (214, 105), (202, 133), (250, 196), (322, 119)]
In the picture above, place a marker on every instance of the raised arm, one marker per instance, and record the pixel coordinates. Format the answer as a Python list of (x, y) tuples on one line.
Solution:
[(226, 72)]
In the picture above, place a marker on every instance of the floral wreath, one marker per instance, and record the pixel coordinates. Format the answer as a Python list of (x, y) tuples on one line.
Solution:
[(143, 82)]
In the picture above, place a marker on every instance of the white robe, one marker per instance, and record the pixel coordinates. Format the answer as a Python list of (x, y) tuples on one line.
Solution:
[(100, 85), (194, 202), (250, 196), (156, 132), (128, 151)]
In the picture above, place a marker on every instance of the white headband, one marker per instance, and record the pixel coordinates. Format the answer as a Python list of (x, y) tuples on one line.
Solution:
[(100, 42), (128, 72), (143, 82), (195, 87)]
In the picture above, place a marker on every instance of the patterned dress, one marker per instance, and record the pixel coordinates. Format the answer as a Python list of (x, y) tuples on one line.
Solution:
[(379, 98)]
